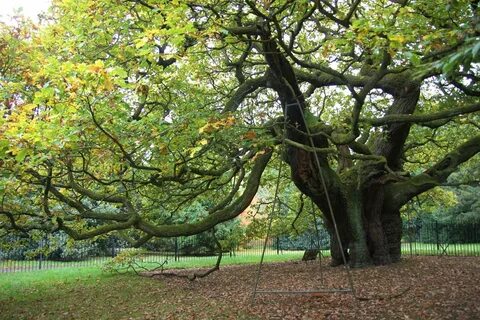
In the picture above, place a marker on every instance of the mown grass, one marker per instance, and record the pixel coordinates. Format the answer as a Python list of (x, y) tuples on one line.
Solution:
[(244, 257), (15, 283), (30, 284), (454, 249), (90, 293), (85, 294)]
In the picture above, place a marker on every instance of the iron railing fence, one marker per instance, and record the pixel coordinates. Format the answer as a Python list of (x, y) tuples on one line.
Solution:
[(418, 239), (436, 238)]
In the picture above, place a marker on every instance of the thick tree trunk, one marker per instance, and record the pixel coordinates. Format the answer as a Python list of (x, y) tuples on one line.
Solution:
[(369, 227), (392, 228), (370, 230), (362, 228), (359, 252), (377, 239)]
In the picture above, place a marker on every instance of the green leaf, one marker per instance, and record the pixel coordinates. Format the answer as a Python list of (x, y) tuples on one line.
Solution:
[(3, 147), (310, 119), (21, 155), (475, 50), (120, 72), (448, 67)]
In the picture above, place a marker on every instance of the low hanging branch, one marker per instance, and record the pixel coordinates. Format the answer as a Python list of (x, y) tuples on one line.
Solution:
[(195, 275), (132, 219)]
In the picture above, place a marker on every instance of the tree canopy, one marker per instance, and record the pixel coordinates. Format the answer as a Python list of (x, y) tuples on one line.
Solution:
[(119, 114)]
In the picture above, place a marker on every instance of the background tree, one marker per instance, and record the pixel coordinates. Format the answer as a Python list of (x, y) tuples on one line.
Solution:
[(149, 106)]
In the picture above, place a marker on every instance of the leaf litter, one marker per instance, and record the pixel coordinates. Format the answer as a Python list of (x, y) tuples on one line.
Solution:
[(415, 288)]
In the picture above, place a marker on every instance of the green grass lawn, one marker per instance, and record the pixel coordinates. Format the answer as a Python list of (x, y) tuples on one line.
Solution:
[(73, 292), (242, 257), (89, 293), (84, 293), (16, 284), (20, 285), (454, 249)]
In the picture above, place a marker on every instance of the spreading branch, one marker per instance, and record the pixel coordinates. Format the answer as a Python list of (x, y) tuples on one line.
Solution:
[(401, 192), (222, 215), (423, 118)]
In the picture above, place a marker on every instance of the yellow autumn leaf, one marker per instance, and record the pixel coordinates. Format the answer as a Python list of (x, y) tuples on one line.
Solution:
[(229, 121), (162, 149), (397, 38), (214, 125), (29, 107), (97, 67), (107, 84), (249, 135), (208, 128)]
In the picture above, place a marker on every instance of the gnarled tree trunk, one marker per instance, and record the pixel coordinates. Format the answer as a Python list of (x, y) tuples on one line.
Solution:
[(362, 209)]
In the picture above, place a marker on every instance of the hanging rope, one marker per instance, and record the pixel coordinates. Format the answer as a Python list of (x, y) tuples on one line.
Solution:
[(275, 197), (327, 196), (337, 234), (317, 233)]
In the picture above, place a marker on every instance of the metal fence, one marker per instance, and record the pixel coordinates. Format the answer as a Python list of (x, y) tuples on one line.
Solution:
[(177, 252), (435, 238), (47, 253)]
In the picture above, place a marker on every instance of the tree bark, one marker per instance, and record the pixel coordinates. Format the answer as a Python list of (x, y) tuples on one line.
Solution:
[(361, 202)]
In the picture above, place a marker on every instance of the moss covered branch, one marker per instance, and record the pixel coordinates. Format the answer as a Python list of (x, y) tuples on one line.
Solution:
[(423, 118), (219, 216), (401, 192)]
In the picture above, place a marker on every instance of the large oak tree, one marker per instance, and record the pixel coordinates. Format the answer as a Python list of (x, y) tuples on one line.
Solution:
[(118, 114)]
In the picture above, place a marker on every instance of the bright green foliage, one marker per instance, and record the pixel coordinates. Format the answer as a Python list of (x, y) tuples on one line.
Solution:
[(83, 80), (125, 261), (126, 114), (458, 203)]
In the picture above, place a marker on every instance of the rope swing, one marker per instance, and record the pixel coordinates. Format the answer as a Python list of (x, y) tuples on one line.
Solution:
[(351, 289)]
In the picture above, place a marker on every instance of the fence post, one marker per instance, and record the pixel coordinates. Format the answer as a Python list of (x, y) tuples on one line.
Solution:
[(411, 229), (437, 236), (40, 258), (113, 249), (176, 248), (40, 261), (278, 245)]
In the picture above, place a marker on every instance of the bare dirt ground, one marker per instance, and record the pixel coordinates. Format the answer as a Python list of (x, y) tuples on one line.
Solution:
[(415, 288)]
